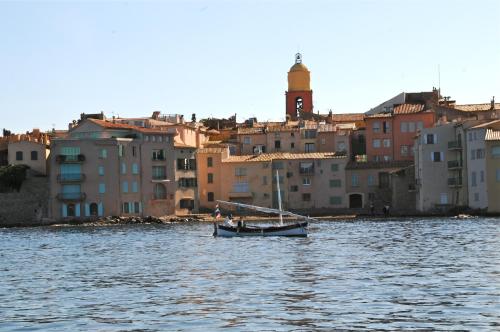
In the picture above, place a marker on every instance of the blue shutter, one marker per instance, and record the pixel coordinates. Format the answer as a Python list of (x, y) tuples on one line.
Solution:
[(87, 209), (77, 210), (100, 209), (64, 210)]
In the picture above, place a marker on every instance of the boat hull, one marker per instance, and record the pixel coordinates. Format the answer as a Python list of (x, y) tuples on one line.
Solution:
[(293, 230)]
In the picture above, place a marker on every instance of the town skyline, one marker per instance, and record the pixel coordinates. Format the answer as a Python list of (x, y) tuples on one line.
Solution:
[(211, 59)]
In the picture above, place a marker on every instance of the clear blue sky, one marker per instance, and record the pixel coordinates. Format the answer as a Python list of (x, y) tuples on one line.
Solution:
[(217, 58)]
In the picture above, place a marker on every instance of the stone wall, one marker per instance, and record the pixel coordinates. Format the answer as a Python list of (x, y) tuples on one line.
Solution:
[(27, 207)]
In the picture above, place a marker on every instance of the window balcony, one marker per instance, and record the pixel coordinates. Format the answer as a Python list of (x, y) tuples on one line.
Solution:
[(454, 145), (454, 164), (158, 158), (306, 171), (68, 159), (71, 177), (454, 182), (71, 197)]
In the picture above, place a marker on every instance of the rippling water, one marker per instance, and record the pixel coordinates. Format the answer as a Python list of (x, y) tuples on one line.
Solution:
[(438, 274)]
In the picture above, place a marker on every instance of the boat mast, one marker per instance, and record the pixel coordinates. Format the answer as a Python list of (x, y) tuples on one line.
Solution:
[(279, 195)]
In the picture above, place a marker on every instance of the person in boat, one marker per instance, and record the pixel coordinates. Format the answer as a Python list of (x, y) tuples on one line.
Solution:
[(229, 221)]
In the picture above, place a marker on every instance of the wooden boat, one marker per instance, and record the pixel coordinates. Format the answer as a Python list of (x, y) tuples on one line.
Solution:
[(295, 229)]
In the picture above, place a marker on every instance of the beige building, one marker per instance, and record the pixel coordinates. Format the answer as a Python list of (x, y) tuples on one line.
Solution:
[(104, 168), (31, 153), (308, 181), (493, 169)]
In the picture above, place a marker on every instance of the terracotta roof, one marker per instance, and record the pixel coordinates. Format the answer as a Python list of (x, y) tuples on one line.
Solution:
[(477, 107), (212, 150), (250, 131), (492, 135), (408, 108), (111, 125), (378, 164), (348, 117), (184, 146), (284, 156)]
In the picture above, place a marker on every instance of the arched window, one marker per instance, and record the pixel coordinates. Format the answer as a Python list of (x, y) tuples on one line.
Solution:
[(299, 105), (71, 210), (159, 191), (93, 209)]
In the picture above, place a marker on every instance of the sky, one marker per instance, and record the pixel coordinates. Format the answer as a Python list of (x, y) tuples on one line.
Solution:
[(219, 58)]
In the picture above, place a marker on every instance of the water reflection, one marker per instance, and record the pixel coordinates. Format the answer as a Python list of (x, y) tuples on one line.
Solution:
[(394, 275)]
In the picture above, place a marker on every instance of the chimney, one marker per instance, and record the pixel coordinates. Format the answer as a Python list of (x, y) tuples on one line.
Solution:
[(493, 103), (155, 115)]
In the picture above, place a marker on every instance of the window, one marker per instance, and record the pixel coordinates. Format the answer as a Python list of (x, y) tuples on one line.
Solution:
[(278, 165), (292, 145), (187, 182), (404, 150), (443, 198), (354, 180), (306, 181), (341, 146), (135, 168), (102, 188), (480, 153), (186, 164), (134, 151), (101, 170), (264, 180), (376, 127), (135, 187), (294, 188), (495, 151), (34, 155), (323, 141), (19, 155), (387, 143), (159, 173), (103, 154), (473, 154), (306, 197), (371, 180), (383, 180), (210, 178), (335, 200), (159, 191), (336, 183), (277, 145), (473, 179), (309, 147), (158, 154), (125, 207), (187, 204), (306, 167), (309, 133), (386, 127), (210, 196), (404, 127), (124, 168), (498, 174), (240, 171), (376, 143), (470, 137), (121, 150), (125, 186), (430, 139), (387, 158), (420, 125), (437, 156), (247, 140), (476, 197), (146, 138), (481, 176), (411, 127), (137, 207), (210, 162), (93, 209)]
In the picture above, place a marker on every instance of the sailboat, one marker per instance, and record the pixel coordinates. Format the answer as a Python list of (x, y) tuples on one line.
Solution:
[(296, 229)]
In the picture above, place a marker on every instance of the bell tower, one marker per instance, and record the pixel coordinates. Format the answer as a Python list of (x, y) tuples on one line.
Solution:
[(299, 93)]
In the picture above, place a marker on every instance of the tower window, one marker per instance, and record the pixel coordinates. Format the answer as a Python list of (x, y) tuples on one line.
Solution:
[(299, 105)]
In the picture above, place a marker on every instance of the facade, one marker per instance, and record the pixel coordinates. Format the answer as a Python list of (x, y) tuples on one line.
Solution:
[(104, 168), (493, 169), (307, 180), (31, 153)]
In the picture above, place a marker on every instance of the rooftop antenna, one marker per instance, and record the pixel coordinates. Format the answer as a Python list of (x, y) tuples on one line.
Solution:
[(439, 80)]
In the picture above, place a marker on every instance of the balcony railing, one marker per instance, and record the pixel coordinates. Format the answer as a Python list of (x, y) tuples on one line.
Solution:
[(71, 177), (454, 182), (71, 196), (452, 145), (306, 170), (77, 158), (454, 164)]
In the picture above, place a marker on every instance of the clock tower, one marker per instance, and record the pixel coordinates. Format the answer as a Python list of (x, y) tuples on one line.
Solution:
[(299, 93)]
